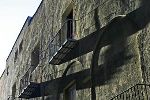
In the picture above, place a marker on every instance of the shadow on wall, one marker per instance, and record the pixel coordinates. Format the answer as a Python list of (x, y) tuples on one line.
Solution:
[(114, 57), (145, 2), (141, 44)]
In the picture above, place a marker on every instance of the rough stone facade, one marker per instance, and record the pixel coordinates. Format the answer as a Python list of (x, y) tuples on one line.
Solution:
[(124, 63)]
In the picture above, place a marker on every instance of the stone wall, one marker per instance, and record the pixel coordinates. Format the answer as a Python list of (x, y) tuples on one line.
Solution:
[(123, 63)]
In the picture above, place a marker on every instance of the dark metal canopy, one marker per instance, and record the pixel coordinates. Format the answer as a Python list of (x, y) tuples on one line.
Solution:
[(61, 53), (31, 91), (56, 86)]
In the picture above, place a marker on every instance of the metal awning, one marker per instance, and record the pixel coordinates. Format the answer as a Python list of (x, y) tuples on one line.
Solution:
[(56, 86), (66, 47), (32, 90)]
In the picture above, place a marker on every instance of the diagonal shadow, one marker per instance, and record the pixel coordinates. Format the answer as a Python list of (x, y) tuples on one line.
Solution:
[(107, 55), (95, 56), (103, 73)]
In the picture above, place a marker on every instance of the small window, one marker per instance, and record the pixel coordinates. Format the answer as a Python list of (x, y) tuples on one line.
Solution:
[(67, 19), (70, 24), (29, 20), (7, 70), (14, 91), (70, 91), (35, 57), (20, 46), (16, 55)]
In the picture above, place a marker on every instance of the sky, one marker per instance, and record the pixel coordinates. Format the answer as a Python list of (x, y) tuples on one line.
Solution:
[(13, 14)]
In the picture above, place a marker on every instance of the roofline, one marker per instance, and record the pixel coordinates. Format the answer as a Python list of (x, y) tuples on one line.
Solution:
[(2, 74), (18, 36), (28, 18), (38, 9), (23, 27)]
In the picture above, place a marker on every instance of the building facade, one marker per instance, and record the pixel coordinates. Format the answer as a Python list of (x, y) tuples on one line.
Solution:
[(70, 46)]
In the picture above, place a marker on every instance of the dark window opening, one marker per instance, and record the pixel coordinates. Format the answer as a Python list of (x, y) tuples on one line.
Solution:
[(69, 19), (29, 20), (16, 55), (35, 57), (70, 91), (20, 46), (13, 91), (7, 70)]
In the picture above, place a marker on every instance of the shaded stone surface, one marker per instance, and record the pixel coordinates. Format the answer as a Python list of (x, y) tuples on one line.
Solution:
[(123, 63)]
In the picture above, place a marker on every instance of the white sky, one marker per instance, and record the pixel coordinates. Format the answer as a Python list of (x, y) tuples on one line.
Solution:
[(13, 14)]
